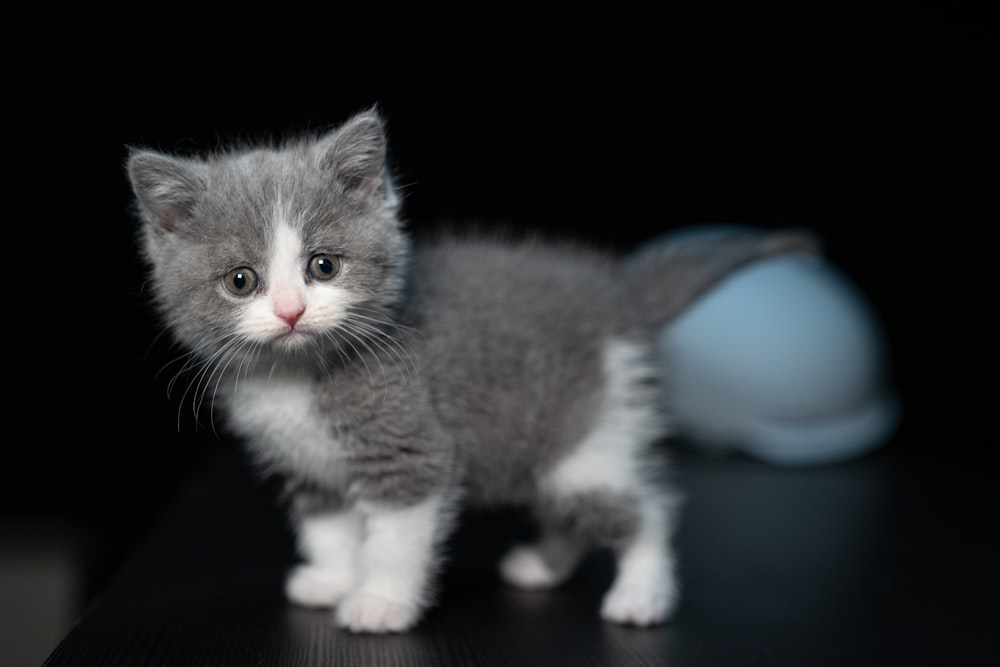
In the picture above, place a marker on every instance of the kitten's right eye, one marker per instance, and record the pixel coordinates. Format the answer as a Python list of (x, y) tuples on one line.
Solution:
[(241, 282)]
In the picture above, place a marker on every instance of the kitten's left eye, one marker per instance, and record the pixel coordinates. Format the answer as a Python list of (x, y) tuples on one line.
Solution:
[(242, 281), (323, 267)]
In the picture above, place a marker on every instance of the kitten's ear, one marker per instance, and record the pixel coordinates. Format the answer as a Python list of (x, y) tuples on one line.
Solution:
[(167, 188), (355, 155)]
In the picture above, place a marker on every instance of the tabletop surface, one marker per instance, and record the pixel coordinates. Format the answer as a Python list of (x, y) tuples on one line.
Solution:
[(889, 559)]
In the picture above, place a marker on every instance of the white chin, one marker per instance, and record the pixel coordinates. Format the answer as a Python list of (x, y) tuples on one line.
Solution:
[(294, 340)]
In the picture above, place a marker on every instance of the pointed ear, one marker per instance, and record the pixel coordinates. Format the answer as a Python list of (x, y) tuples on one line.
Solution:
[(166, 188), (355, 155)]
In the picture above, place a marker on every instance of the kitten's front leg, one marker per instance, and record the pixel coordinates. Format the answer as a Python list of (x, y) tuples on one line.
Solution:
[(398, 560), (329, 541)]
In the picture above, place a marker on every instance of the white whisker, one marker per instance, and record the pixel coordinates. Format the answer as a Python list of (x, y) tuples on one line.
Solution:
[(361, 340), (390, 352), (203, 364), (212, 366), (333, 335), (221, 368), (382, 318), (394, 347), (191, 359)]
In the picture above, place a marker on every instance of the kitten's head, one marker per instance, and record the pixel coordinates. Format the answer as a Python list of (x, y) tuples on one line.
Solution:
[(271, 248)]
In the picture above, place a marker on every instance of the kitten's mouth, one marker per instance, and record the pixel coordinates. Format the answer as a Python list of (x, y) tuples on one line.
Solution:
[(292, 337)]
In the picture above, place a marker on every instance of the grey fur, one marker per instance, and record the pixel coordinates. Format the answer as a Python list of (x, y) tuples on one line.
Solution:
[(469, 367), (605, 518)]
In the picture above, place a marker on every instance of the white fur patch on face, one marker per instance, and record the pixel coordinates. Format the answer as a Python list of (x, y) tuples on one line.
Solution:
[(286, 275), (291, 308)]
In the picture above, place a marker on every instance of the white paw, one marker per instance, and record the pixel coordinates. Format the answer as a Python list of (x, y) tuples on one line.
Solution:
[(524, 567), (638, 606), (311, 586), (367, 613)]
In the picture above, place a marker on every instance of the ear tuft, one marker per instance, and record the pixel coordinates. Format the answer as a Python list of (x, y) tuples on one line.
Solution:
[(355, 153), (166, 188)]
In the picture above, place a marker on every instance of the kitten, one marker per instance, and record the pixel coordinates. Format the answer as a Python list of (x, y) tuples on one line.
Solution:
[(388, 383)]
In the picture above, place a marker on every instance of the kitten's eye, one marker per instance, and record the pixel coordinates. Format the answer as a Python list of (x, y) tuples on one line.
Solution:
[(323, 267), (242, 281)]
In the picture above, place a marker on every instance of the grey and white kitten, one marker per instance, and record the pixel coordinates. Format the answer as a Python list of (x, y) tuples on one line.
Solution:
[(389, 383)]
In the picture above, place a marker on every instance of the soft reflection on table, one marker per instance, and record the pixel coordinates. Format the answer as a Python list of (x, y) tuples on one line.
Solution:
[(876, 561)]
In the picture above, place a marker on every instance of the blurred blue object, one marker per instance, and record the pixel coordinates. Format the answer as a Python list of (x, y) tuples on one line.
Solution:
[(784, 360)]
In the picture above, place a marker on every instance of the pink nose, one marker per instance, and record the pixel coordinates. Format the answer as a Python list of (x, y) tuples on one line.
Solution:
[(291, 315)]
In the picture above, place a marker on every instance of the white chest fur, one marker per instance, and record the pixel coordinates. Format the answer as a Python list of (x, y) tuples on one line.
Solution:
[(278, 416)]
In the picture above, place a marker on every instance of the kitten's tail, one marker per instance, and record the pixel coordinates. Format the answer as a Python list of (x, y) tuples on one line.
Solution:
[(666, 276)]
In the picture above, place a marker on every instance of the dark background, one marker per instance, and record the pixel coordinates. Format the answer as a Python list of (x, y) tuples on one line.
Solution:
[(612, 129)]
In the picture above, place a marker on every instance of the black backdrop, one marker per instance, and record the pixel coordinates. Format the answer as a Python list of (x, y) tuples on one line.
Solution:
[(611, 131)]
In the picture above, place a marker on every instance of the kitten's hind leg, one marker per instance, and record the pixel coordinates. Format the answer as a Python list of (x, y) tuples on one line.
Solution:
[(547, 563), (330, 542), (609, 489), (645, 589), (635, 524)]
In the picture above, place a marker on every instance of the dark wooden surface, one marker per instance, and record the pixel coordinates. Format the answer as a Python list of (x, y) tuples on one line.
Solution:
[(887, 560)]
